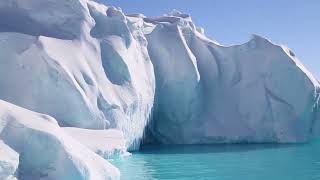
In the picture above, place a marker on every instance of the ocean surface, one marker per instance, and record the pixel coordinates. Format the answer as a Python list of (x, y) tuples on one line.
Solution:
[(223, 162)]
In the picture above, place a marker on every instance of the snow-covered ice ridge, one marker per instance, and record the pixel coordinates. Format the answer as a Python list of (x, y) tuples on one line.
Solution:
[(80, 81)]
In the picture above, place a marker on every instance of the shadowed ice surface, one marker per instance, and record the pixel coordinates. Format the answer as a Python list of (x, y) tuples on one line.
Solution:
[(224, 162)]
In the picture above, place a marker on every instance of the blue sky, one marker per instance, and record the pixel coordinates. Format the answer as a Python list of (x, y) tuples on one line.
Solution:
[(294, 23)]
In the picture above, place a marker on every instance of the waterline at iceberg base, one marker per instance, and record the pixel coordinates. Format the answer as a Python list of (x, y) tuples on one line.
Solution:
[(82, 83)]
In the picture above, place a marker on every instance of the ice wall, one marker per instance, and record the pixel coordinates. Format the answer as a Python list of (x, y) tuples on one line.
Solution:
[(207, 93), (91, 66), (110, 79), (83, 63)]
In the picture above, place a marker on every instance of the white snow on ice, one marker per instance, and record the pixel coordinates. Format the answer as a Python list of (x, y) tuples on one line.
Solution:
[(45, 151), (82, 82), (109, 143)]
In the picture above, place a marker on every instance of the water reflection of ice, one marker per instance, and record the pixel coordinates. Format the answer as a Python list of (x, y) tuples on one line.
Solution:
[(135, 167)]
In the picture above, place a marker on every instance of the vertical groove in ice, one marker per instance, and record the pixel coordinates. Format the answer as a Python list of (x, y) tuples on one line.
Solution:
[(134, 127)]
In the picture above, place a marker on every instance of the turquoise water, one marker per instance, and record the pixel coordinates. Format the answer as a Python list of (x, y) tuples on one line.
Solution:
[(223, 162)]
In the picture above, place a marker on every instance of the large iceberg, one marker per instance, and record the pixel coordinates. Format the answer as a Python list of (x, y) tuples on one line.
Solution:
[(207, 93), (81, 82)]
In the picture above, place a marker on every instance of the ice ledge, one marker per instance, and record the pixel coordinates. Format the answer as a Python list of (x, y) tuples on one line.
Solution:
[(108, 143)]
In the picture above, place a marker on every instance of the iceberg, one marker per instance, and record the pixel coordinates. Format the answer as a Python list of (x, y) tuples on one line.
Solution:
[(82, 63), (208, 93), (82, 82)]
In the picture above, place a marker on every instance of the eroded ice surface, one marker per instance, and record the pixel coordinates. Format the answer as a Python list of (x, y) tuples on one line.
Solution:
[(83, 63), (207, 93), (103, 81), (9, 160), (45, 151), (109, 143)]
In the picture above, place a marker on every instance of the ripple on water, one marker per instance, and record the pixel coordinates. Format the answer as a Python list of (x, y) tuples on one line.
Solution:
[(223, 162)]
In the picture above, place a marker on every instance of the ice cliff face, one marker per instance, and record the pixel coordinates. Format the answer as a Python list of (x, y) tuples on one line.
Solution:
[(86, 65), (208, 93), (254, 92), (83, 63)]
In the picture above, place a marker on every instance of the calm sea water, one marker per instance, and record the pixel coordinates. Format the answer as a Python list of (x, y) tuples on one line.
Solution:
[(223, 162)]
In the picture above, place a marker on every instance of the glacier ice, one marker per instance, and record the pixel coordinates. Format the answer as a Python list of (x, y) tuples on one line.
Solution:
[(108, 143), (59, 19), (45, 151), (89, 77), (82, 82), (254, 92), (9, 160)]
